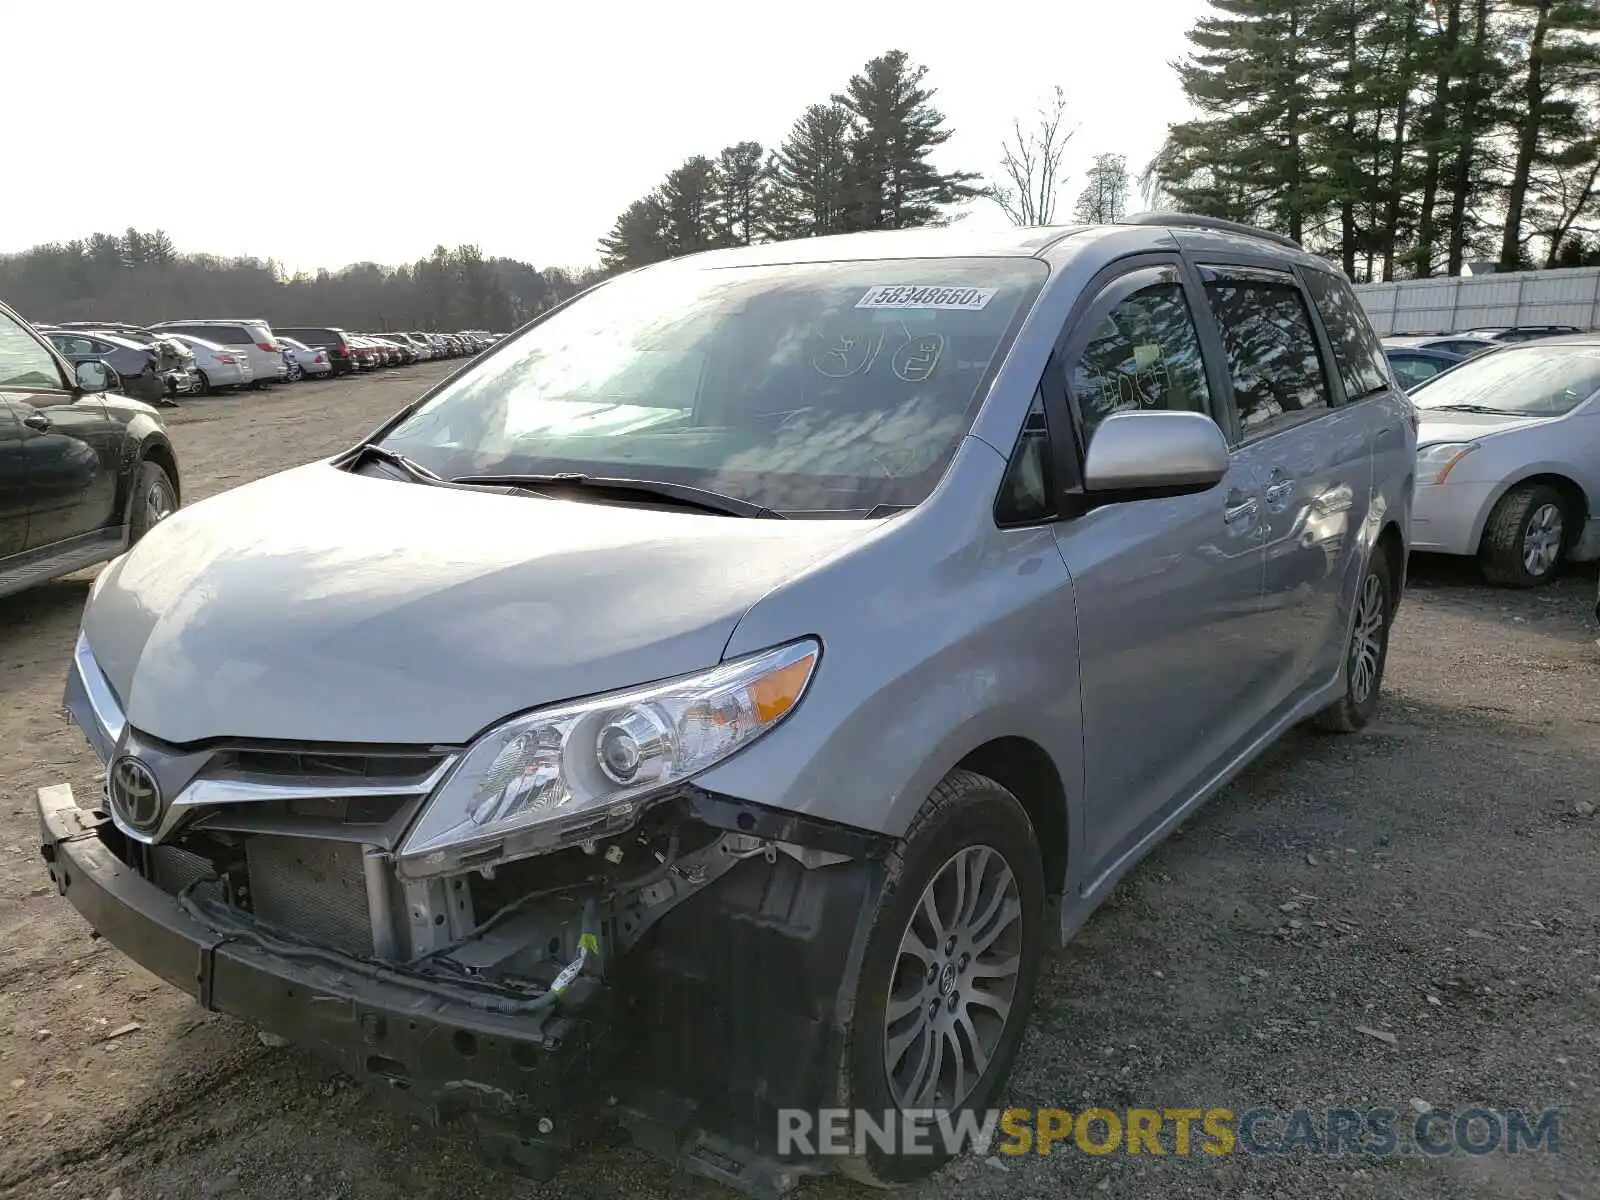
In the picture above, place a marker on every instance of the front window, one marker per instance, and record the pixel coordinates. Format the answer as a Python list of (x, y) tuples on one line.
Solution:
[(807, 388), (1535, 381), (24, 363)]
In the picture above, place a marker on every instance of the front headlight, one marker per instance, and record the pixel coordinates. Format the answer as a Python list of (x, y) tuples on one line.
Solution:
[(566, 774), (1436, 462)]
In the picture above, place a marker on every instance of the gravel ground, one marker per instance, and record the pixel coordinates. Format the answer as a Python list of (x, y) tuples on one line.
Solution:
[(1432, 880)]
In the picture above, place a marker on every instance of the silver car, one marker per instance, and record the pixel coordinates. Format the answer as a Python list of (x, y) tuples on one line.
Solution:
[(719, 696), (1508, 459), (219, 366)]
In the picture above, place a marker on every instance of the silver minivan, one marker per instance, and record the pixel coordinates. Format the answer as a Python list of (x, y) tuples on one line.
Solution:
[(709, 706)]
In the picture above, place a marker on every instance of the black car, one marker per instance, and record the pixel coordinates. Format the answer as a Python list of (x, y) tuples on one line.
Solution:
[(341, 353), (84, 471)]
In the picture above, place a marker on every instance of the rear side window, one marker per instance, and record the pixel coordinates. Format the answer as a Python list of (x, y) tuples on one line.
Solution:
[(1273, 358), (1357, 352)]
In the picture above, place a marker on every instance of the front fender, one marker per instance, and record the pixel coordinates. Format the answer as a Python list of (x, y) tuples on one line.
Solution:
[(142, 433), (940, 635)]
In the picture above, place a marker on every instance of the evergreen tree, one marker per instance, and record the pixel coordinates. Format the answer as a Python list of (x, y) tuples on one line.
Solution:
[(891, 183), (688, 199), (638, 237), (742, 184), (1250, 76), (811, 174)]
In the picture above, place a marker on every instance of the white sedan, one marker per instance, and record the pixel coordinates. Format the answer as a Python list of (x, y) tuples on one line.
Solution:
[(219, 366), (1508, 459), (312, 360)]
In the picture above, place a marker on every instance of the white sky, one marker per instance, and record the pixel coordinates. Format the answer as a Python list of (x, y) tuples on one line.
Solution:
[(257, 127)]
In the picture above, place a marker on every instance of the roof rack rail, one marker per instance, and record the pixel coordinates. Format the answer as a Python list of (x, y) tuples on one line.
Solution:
[(1193, 221)]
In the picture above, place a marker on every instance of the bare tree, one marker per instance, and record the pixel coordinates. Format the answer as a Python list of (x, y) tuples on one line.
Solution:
[(1031, 163), (1104, 199)]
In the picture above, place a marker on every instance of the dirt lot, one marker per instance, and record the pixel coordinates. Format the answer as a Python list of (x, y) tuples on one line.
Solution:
[(1433, 880)]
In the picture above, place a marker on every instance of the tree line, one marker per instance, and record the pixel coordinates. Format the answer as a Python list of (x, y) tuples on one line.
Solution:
[(139, 277), (857, 161), (1401, 138)]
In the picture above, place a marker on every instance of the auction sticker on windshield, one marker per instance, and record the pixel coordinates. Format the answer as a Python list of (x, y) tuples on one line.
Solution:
[(893, 295)]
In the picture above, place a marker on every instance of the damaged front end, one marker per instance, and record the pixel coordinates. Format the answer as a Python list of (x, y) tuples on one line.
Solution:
[(685, 971)]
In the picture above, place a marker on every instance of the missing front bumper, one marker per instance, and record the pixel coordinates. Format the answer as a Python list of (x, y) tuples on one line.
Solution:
[(447, 1054), (730, 1008)]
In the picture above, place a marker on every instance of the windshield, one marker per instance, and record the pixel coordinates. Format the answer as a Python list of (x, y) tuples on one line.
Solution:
[(1536, 381), (823, 387)]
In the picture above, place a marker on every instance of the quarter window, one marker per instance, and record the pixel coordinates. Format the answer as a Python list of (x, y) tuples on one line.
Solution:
[(1145, 355), (1272, 351), (1356, 349), (1027, 493), (24, 363)]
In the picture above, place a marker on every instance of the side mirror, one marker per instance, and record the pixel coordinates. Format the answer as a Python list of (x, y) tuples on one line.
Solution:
[(1143, 455), (94, 375)]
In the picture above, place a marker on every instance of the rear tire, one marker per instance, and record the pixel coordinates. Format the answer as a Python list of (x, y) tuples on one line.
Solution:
[(958, 928), (1367, 651), (1525, 538)]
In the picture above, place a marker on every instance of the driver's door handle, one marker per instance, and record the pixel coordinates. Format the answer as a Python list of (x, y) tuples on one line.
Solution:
[(36, 420), (1238, 512)]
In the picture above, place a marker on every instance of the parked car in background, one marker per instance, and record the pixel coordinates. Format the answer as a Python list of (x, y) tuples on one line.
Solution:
[(402, 351), (1508, 459), (324, 337), (441, 348), (137, 364), (252, 336), (717, 792), (1413, 364), (368, 357), (311, 361), (220, 367), (84, 471), (1522, 333), (422, 350), (1463, 345)]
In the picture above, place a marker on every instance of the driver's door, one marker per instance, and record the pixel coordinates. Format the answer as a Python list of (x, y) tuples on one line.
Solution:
[(70, 446), (1168, 591)]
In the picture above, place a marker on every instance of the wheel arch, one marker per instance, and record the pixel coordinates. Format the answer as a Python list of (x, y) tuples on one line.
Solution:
[(1551, 476), (1026, 770)]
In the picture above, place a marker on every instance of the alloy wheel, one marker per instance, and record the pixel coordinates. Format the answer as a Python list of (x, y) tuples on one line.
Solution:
[(954, 980), (1366, 645), (1541, 540), (158, 503)]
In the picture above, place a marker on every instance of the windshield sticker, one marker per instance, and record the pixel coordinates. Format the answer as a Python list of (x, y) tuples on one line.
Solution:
[(1147, 355), (918, 358), (955, 299)]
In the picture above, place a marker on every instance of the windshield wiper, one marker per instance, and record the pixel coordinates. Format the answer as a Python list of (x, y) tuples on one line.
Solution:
[(1469, 408), (678, 493), (394, 458)]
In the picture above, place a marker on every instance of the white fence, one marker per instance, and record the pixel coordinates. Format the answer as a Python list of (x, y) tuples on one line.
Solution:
[(1567, 297)]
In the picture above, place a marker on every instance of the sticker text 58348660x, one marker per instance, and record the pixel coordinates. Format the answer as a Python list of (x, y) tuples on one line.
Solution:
[(903, 295)]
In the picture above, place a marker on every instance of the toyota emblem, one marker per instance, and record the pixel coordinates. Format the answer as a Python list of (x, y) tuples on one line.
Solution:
[(135, 795)]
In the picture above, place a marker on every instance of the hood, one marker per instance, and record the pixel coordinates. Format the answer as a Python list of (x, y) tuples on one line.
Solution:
[(316, 605), (1435, 427)]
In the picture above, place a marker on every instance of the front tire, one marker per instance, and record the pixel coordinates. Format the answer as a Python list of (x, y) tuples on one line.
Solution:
[(1525, 538), (1367, 652), (154, 499), (948, 975)]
